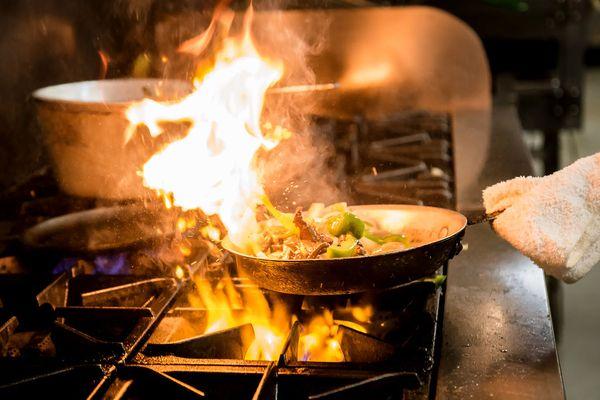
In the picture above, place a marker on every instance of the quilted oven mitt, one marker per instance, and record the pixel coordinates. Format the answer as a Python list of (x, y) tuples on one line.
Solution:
[(554, 220)]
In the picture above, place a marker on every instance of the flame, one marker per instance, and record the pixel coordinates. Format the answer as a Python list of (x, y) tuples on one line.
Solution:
[(104, 60), (228, 307), (322, 339), (223, 16), (362, 314), (213, 167)]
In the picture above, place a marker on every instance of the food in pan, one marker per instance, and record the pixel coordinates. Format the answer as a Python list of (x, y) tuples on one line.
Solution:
[(320, 232)]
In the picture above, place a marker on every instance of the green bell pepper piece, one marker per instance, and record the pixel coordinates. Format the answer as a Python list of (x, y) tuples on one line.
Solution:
[(386, 239), (438, 280), (345, 248), (346, 222)]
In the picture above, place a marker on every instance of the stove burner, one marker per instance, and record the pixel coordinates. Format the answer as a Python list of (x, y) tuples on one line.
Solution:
[(104, 319), (112, 326)]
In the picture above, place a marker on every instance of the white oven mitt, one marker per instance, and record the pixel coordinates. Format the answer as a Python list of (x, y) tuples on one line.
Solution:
[(554, 220)]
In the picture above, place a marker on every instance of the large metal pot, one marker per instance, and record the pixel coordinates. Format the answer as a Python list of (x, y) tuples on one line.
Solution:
[(83, 126)]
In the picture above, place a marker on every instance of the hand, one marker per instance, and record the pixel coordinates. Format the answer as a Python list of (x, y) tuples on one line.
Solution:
[(554, 220)]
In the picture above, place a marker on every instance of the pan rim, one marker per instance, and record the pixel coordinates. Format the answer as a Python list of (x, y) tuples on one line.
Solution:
[(63, 96), (32, 237), (229, 246)]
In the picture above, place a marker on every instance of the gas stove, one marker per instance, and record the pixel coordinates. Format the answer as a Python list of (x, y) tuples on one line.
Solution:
[(128, 336), (121, 325)]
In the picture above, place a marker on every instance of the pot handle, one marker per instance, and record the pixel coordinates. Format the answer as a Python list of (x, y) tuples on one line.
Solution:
[(479, 218)]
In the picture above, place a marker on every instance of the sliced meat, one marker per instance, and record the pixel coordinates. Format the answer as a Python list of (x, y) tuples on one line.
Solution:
[(307, 231), (317, 251)]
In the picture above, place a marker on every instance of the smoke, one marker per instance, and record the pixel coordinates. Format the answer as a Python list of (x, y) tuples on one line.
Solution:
[(300, 170)]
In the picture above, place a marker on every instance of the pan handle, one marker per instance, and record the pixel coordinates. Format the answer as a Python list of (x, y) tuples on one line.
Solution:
[(479, 218)]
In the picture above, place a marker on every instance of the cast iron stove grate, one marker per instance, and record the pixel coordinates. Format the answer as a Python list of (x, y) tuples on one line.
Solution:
[(394, 358), (69, 337), (80, 334), (404, 158)]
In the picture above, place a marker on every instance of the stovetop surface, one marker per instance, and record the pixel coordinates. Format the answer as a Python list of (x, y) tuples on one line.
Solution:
[(104, 327), (151, 329)]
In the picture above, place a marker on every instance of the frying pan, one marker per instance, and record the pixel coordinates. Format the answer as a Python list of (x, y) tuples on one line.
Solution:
[(98, 230), (436, 233)]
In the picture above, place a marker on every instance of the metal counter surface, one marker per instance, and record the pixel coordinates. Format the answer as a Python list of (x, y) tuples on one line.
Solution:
[(497, 340)]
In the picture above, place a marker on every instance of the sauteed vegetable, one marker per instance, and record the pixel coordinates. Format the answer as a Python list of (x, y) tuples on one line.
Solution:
[(320, 232)]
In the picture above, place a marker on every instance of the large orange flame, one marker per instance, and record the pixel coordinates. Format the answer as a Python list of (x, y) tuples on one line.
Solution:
[(228, 307), (212, 167)]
